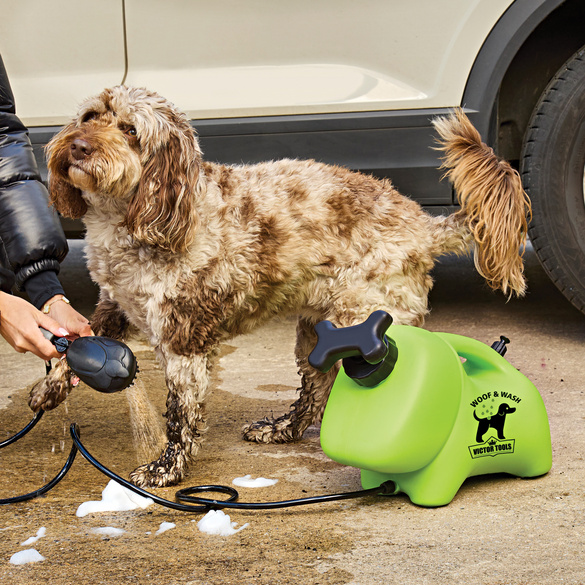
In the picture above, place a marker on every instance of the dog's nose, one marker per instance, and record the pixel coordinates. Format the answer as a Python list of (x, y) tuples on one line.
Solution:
[(80, 149)]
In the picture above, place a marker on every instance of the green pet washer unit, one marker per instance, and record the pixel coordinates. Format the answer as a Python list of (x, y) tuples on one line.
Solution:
[(427, 410)]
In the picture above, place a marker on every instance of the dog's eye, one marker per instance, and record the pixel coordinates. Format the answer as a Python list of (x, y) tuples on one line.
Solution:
[(131, 135), (89, 116)]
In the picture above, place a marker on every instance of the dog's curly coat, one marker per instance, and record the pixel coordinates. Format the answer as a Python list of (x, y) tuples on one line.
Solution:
[(193, 253)]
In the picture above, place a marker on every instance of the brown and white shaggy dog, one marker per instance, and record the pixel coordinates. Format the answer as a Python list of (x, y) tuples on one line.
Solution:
[(193, 253)]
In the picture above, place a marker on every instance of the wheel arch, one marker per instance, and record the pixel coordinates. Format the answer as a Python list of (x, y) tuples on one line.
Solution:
[(523, 52)]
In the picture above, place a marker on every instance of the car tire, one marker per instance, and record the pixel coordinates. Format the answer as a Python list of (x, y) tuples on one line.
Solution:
[(552, 169)]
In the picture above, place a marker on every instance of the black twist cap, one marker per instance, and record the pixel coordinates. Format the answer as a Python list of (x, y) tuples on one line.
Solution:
[(368, 354), (500, 346), (61, 343)]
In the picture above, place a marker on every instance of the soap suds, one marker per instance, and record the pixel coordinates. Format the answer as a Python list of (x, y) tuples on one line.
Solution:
[(165, 526), (108, 531), (218, 523), (23, 557), (247, 481), (40, 533), (115, 498)]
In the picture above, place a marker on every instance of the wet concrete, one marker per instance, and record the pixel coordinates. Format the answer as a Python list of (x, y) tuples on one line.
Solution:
[(497, 530)]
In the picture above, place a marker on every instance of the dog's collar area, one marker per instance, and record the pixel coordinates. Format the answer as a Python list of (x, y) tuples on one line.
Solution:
[(185, 500)]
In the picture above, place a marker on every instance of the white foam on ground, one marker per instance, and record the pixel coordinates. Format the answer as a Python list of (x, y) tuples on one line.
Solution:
[(115, 498), (108, 531), (165, 526), (40, 533), (247, 481), (218, 523), (23, 557)]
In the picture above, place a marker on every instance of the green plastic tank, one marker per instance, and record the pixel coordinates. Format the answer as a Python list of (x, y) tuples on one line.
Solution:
[(436, 409)]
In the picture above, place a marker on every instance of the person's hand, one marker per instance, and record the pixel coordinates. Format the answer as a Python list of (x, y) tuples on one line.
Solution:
[(75, 323), (19, 325)]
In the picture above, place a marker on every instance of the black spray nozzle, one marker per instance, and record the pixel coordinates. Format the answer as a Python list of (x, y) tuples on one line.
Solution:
[(500, 346), (368, 354), (104, 364)]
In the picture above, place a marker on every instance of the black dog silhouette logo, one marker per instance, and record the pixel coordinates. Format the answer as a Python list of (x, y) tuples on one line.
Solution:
[(492, 415), (496, 422)]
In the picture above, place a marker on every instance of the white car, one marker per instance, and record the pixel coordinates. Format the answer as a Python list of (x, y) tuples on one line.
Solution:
[(345, 82)]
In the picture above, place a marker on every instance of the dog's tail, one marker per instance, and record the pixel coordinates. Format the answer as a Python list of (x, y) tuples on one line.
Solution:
[(494, 206)]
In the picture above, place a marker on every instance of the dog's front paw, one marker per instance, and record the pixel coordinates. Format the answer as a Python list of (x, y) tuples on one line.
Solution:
[(267, 430), (168, 469), (49, 392)]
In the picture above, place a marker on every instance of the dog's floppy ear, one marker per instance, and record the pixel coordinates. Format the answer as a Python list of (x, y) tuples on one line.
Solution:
[(161, 211), (66, 198)]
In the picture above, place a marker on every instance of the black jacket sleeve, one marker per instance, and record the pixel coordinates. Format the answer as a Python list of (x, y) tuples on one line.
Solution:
[(6, 275), (32, 236)]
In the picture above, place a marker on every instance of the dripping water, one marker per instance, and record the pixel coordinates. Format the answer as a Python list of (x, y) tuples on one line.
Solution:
[(146, 424)]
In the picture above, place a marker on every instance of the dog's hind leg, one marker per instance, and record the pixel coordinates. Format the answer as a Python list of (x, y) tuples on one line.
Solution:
[(308, 409), (187, 383), (316, 386)]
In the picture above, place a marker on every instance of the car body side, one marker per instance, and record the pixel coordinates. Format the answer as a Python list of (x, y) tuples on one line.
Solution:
[(347, 83)]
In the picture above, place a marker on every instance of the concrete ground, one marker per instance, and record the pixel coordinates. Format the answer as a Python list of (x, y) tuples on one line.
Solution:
[(497, 530)]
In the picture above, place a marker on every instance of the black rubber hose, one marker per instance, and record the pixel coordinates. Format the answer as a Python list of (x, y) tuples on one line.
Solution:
[(37, 417), (184, 495), (74, 430), (195, 504), (204, 504), (47, 487)]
